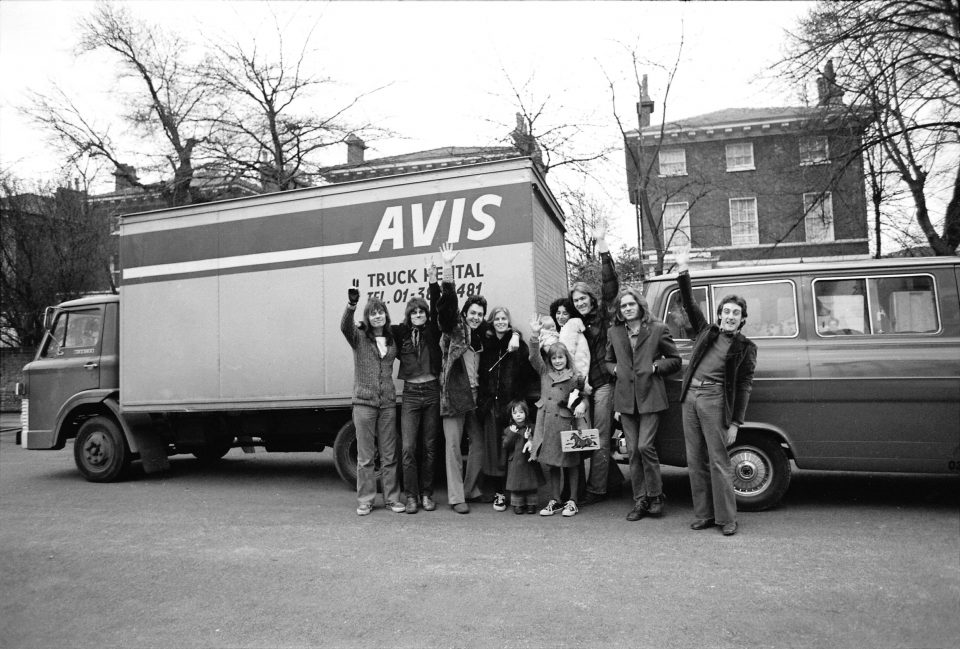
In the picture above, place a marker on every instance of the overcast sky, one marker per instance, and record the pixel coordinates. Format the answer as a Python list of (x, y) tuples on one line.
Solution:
[(444, 63)]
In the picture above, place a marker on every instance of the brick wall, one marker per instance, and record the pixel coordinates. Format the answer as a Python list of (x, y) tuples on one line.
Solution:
[(12, 360)]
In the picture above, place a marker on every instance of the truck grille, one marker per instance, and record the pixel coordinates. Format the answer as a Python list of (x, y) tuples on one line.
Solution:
[(24, 421)]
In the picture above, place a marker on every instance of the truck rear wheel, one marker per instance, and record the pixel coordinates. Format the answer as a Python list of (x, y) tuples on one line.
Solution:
[(345, 456), (345, 453), (214, 450), (100, 450), (761, 471)]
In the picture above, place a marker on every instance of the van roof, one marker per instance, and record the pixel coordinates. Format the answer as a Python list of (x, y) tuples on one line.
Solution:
[(864, 265)]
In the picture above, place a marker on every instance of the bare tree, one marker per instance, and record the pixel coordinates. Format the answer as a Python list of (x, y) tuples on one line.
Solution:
[(53, 247), (641, 161), (166, 111), (901, 65), (583, 214), (268, 126), (548, 132)]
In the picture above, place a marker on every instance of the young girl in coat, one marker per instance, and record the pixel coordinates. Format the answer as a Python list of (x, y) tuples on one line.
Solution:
[(557, 380), (523, 474)]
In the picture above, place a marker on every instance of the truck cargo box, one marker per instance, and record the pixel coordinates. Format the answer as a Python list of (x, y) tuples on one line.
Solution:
[(235, 305)]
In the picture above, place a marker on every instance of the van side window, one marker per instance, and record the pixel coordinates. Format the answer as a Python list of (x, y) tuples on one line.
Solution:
[(771, 307), (876, 305), (842, 307), (675, 317)]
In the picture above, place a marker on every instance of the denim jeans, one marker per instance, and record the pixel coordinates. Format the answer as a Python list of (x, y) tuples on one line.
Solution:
[(453, 430), (709, 466), (419, 429), (600, 461), (376, 427), (641, 432)]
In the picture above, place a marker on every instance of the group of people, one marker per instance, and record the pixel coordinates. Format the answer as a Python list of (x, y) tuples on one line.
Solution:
[(467, 371)]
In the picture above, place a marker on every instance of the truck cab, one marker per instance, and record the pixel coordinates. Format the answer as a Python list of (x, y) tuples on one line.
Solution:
[(74, 377)]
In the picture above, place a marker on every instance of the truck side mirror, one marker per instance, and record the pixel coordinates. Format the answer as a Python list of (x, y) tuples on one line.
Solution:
[(48, 314)]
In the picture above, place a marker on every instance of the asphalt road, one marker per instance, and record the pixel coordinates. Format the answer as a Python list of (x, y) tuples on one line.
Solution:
[(266, 550)]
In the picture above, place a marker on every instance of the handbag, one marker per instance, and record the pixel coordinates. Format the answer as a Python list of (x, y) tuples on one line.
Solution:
[(574, 441)]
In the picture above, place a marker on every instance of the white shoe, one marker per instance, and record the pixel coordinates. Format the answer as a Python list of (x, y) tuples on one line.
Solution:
[(552, 508), (570, 509)]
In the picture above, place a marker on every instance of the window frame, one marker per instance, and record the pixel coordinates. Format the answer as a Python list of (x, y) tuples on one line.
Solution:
[(809, 161), (750, 166), (822, 199), (660, 161), (717, 295), (871, 300), (756, 219), (665, 315), (684, 217)]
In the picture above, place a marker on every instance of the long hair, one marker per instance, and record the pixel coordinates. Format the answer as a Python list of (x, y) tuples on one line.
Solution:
[(566, 303), (376, 304), (583, 287), (491, 332), (645, 316), (559, 349), (415, 302)]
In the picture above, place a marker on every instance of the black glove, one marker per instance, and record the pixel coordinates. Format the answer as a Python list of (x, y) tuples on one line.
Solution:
[(353, 296)]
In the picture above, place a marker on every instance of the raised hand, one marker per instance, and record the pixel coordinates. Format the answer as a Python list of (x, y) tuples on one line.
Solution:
[(683, 258), (600, 230), (535, 324), (353, 293), (448, 254)]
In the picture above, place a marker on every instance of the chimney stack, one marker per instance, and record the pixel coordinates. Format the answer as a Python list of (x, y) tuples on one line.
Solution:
[(126, 177), (828, 92), (645, 107), (355, 148)]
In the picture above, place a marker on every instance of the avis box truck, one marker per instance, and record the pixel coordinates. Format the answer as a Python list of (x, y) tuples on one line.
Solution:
[(226, 329)]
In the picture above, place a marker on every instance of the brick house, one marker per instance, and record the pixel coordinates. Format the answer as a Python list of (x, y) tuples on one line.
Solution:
[(754, 185)]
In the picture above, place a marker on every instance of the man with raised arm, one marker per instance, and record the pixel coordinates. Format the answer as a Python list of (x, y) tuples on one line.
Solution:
[(715, 392)]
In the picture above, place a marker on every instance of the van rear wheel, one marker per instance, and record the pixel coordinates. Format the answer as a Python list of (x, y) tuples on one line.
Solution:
[(761, 471), (100, 450)]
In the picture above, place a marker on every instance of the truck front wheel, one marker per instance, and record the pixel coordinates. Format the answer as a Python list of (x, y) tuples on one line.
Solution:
[(100, 450)]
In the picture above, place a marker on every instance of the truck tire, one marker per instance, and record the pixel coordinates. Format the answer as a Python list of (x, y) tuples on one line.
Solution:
[(100, 450), (345, 453), (214, 450), (761, 471), (345, 456)]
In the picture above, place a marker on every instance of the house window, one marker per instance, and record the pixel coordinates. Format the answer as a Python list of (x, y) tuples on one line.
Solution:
[(740, 156), (818, 217), (673, 162), (813, 150), (743, 222), (676, 225)]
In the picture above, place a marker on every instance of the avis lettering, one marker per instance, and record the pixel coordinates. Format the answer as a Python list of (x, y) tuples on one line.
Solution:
[(423, 226)]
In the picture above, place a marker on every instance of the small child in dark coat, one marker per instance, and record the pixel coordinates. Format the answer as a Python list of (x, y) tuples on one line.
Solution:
[(523, 475)]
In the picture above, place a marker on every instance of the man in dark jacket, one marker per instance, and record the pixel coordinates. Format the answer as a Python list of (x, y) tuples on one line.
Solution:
[(715, 392)]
